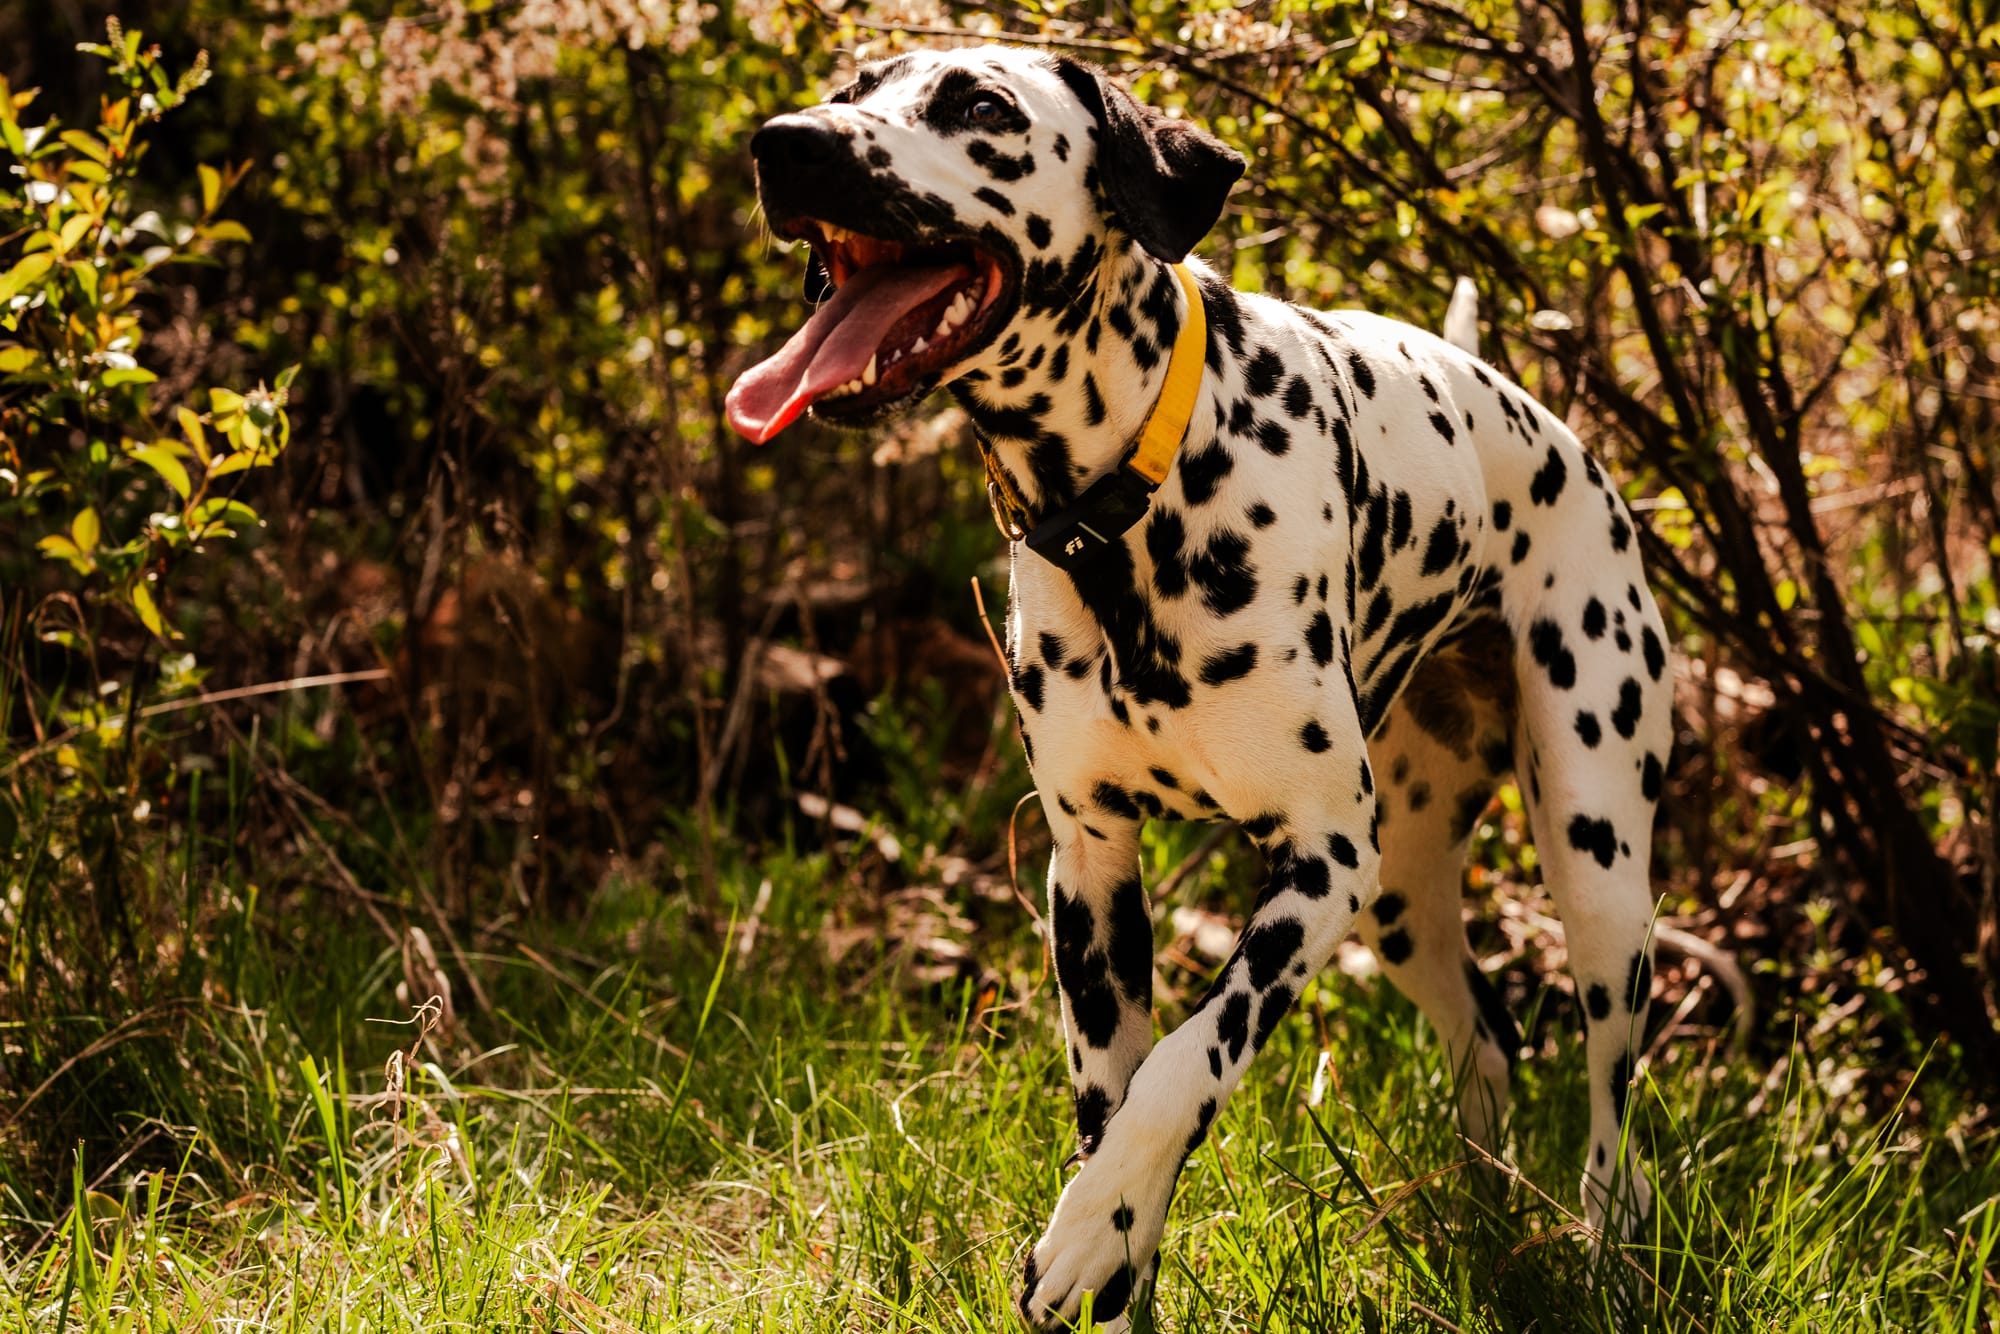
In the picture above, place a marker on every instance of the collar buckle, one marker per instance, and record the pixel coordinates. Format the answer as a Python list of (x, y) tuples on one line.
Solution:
[(1003, 512)]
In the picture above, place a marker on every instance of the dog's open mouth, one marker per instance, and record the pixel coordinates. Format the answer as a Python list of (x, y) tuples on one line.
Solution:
[(901, 313)]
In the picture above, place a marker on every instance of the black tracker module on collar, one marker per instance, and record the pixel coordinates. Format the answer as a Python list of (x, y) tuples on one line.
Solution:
[(1075, 534)]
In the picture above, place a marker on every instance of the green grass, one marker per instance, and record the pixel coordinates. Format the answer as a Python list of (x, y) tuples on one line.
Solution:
[(655, 1128)]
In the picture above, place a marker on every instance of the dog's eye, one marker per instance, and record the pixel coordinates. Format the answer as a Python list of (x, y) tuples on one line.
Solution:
[(986, 111)]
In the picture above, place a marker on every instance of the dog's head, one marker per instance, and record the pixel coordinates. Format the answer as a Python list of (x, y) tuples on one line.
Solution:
[(948, 196)]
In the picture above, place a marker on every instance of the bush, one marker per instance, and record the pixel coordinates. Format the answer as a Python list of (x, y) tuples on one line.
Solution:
[(115, 485)]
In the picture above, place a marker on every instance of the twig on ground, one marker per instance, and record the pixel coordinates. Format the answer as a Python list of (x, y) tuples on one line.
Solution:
[(738, 709), (989, 757), (1401, 1193), (63, 738), (1719, 963), (134, 1023), (1014, 883), (979, 600), (1722, 966), (1434, 1317)]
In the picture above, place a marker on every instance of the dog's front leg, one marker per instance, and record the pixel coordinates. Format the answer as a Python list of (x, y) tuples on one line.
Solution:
[(1101, 936), (1107, 1226)]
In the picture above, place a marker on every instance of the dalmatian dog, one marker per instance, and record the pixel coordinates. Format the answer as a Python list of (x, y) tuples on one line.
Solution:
[(1377, 579)]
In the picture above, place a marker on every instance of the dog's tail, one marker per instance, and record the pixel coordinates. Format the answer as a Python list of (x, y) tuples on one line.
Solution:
[(1461, 317)]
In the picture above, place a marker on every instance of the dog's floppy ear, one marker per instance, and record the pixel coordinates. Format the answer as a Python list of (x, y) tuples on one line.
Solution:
[(1166, 179)]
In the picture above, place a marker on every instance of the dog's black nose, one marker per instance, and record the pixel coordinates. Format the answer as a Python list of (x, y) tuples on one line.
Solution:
[(797, 143)]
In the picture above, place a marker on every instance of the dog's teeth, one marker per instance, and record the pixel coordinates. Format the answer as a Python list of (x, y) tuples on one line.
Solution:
[(918, 346), (868, 376)]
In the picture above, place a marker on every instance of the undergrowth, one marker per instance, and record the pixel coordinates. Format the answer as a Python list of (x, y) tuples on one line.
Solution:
[(813, 1107)]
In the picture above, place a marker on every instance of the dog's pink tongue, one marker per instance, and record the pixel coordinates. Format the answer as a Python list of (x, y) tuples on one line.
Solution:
[(834, 347)]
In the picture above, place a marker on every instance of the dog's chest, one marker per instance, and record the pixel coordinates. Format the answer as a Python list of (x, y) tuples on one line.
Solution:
[(1316, 535)]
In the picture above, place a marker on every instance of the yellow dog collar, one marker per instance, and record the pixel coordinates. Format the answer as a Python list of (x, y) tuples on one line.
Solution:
[(1111, 505), (1167, 425)]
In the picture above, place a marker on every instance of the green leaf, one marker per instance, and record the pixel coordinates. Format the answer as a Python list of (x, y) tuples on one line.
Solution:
[(86, 529), (219, 509), (27, 271), (191, 427), (72, 232), (211, 187), (226, 230), (224, 401), (15, 359), (165, 464), (87, 144), (58, 547), (149, 610), (118, 375), (238, 462)]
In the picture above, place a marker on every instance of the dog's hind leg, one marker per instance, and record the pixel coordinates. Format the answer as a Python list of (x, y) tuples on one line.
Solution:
[(1595, 727), (1439, 754)]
